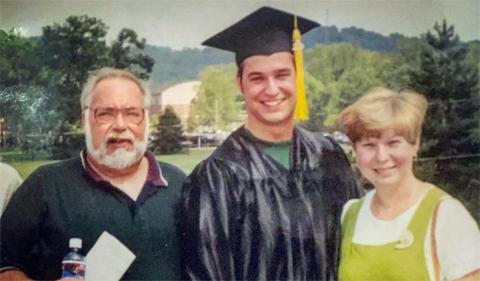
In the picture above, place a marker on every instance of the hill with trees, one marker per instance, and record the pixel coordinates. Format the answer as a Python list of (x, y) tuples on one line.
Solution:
[(186, 64)]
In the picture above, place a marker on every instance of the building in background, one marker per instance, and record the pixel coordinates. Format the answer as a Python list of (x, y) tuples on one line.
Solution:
[(179, 97)]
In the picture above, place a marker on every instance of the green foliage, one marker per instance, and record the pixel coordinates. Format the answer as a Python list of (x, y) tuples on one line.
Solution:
[(316, 103), (22, 108), (123, 55), (357, 36), (66, 145), (72, 50), (216, 105), (21, 100), (168, 137), (41, 79), (344, 73), (186, 64), (18, 61), (154, 120), (450, 81)]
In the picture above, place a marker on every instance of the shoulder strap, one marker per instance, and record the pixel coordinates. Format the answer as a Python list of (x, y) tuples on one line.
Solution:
[(435, 260), (350, 219), (436, 264)]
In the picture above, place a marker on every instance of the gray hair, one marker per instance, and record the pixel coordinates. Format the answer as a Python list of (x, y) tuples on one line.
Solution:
[(107, 72)]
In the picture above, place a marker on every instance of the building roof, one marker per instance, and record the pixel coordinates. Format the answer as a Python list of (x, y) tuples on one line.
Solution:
[(182, 93)]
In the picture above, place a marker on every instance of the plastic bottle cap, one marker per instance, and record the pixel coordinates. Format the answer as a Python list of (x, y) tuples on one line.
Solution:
[(75, 243)]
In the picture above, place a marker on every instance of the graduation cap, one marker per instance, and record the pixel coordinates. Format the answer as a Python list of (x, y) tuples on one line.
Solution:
[(264, 32)]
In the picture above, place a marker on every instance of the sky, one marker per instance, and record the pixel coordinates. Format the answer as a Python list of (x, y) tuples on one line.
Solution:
[(186, 23)]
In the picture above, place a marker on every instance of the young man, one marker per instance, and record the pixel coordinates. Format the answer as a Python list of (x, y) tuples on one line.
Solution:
[(115, 185), (266, 205)]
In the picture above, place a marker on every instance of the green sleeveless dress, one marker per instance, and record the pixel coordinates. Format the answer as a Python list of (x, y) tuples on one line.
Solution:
[(389, 261)]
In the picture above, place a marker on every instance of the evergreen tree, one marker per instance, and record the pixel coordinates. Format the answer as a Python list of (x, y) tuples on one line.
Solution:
[(451, 130), (168, 137)]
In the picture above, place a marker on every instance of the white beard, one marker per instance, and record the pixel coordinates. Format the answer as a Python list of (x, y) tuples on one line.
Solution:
[(120, 158)]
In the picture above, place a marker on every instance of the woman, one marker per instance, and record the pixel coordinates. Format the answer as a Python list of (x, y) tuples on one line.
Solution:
[(387, 235)]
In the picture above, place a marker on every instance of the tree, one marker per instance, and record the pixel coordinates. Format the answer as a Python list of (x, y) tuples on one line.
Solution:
[(317, 101), (24, 119), (344, 73), (19, 63), (396, 74), (168, 138), (67, 54), (48, 72), (71, 51), (21, 95), (75, 48), (451, 130), (124, 56), (216, 105)]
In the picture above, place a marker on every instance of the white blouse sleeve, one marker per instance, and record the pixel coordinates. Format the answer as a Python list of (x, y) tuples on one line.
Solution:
[(458, 240)]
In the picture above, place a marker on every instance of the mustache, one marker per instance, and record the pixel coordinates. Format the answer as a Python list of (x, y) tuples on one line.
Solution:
[(124, 136)]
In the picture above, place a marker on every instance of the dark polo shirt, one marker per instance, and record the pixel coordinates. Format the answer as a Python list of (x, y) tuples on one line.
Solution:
[(69, 199)]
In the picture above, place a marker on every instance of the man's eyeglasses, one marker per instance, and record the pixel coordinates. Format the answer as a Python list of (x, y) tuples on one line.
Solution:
[(107, 115)]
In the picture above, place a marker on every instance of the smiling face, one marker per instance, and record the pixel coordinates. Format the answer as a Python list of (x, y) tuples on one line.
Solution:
[(268, 86), (386, 160), (117, 143)]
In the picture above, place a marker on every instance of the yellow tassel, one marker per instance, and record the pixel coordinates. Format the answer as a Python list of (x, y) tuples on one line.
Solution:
[(301, 108)]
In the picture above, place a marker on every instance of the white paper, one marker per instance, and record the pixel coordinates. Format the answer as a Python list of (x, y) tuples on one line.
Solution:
[(108, 259)]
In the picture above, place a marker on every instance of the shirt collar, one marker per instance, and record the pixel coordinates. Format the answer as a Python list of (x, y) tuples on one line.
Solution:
[(249, 135), (154, 175)]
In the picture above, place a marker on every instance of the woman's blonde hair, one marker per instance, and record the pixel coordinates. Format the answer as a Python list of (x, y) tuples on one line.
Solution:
[(383, 109)]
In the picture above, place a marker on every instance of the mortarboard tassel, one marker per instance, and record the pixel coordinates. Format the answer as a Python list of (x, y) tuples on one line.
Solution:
[(301, 108)]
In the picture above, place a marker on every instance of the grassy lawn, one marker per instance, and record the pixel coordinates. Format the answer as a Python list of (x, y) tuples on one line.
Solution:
[(26, 167), (185, 161)]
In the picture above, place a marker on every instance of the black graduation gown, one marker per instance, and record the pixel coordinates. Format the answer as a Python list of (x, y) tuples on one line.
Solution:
[(246, 217)]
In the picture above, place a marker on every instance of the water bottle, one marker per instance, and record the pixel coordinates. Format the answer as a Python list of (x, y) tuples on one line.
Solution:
[(73, 264)]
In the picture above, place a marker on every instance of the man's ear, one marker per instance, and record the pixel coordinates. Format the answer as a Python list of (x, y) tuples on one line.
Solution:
[(83, 119), (238, 81)]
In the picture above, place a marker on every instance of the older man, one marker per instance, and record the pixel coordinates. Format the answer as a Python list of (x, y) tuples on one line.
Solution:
[(115, 185), (266, 205)]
